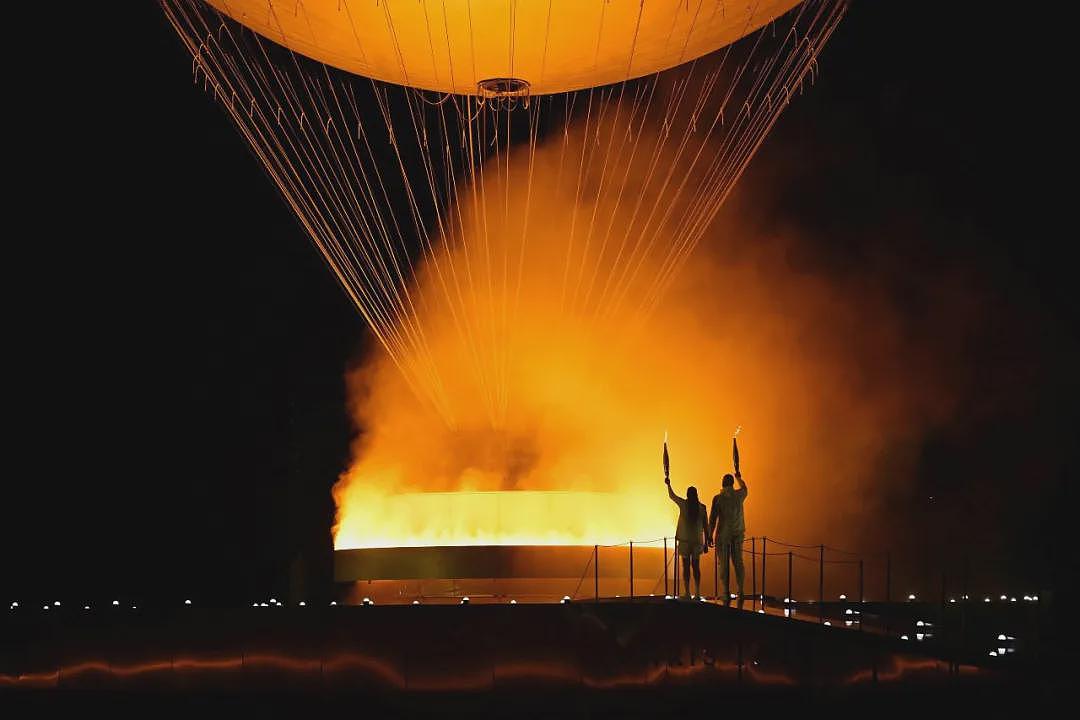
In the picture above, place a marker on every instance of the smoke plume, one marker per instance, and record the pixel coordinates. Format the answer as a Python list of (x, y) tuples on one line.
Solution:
[(558, 356)]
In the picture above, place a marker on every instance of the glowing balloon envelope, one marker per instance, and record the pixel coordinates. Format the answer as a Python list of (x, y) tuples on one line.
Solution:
[(553, 45)]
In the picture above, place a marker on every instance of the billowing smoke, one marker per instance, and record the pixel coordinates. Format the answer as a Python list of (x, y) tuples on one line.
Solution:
[(560, 347)]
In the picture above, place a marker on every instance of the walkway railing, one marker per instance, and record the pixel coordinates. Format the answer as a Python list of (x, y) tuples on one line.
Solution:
[(816, 583)]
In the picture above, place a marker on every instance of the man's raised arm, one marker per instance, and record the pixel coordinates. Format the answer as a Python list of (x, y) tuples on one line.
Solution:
[(742, 483)]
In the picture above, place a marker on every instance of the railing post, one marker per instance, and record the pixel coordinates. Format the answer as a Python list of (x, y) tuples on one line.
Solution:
[(596, 573), (963, 601), (941, 612), (631, 569), (790, 614), (821, 583), (888, 577), (964, 581), (675, 565), (665, 569), (753, 572), (888, 589), (862, 599), (764, 567)]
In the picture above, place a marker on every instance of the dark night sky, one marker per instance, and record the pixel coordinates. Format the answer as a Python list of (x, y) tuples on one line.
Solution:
[(175, 348)]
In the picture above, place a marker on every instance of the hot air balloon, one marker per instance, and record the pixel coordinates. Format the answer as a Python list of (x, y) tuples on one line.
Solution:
[(405, 133), (467, 168)]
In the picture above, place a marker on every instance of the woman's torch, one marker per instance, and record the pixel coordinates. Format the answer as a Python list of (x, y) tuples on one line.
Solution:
[(667, 464)]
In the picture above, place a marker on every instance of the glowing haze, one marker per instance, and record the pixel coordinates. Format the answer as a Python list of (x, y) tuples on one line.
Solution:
[(555, 385)]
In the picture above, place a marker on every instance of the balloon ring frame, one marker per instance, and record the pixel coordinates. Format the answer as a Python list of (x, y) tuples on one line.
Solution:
[(504, 92)]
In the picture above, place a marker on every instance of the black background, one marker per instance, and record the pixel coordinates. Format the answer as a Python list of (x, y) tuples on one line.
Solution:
[(175, 350)]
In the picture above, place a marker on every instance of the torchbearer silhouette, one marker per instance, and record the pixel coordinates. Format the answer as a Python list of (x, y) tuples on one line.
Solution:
[(691, 533), (727, 522)]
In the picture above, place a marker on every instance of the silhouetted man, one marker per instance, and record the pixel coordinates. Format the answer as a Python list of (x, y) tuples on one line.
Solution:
[(726, 520)]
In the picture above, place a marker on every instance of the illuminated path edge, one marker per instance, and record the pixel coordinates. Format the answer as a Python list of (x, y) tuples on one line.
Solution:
[(486, 562)]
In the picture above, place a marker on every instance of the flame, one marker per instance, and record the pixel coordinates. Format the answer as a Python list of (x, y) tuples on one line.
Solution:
[(554, 377), (521, 517)]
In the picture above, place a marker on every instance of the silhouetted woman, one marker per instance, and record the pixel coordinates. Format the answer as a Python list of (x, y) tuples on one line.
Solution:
[(691, 535)]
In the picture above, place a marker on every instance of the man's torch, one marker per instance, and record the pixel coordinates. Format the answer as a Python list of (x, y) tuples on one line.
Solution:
[(667, 464), (734, 448)]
